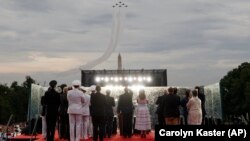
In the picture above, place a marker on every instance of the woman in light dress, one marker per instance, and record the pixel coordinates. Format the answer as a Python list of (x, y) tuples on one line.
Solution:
[(142, 122), (194, 109)]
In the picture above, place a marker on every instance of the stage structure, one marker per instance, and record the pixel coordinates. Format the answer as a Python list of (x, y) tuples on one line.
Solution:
[(149, 78), (212, 93)]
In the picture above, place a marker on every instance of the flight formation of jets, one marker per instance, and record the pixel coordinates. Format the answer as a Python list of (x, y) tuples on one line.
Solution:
[(120, 4)]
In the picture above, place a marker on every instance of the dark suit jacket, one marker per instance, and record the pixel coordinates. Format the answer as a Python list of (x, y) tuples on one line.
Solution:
[(160, 103), (203, 100), (43, 106), (98, 104), (125, 104), (171, 105), (184, 102), (110, 104), (63, 104), (52, 101)]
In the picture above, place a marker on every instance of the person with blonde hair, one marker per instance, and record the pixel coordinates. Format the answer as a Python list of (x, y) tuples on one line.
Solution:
[(142, 122)]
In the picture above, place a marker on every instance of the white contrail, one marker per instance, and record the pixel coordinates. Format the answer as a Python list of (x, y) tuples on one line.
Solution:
[(113, 42), (115, 35)]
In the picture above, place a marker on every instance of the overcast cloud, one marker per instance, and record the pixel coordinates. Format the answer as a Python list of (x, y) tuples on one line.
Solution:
[(197, 41)]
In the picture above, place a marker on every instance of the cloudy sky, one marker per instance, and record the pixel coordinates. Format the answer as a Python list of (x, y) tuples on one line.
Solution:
[(197, 41)]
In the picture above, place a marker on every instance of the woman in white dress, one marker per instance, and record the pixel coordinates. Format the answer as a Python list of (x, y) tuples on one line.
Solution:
[(194, 109), (142, 121)]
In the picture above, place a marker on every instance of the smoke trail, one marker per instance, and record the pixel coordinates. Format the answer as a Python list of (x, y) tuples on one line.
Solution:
[(115, 35), (113, 42)]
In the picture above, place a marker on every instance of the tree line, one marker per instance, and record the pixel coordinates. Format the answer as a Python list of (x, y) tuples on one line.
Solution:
[(235, 92), (14, 100)]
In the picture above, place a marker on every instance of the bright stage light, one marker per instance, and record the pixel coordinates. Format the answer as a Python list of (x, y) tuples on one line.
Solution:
[(106, 79), (116, 79), (97, 79), (140, 79), (125, 78), (130, 79), (111, 78), (149, 79)]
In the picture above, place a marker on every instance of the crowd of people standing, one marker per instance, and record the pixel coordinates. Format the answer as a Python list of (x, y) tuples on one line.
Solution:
[(81, 116), (193, 107)]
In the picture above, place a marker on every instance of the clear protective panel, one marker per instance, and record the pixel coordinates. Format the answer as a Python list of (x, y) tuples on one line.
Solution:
[(35, 108), (213, 101), (212, 93)]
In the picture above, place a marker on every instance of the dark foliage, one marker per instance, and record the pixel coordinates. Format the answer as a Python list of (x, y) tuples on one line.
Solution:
[(14, 100), (235, 91)]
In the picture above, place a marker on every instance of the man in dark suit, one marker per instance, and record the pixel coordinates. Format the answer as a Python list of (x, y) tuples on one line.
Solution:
[(202, 97), (171, 108), (160, 108), (109, 113), (52, 102), (125, 108), (63, 122), (98, 112)]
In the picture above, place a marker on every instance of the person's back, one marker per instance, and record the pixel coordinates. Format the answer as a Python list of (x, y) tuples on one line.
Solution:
[(171, 108), (202, 97), (160, 103), (142, 102), (142, 122), (63, 104), (195, 102), (98, 104), (75, 99), (125, 103), (160, 108), (194, 110), (86, 110), (184, 102), (172, 105), (64, 117), (98, 111), (125, 109), (109, 113), (52, 102), (110, 104)]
